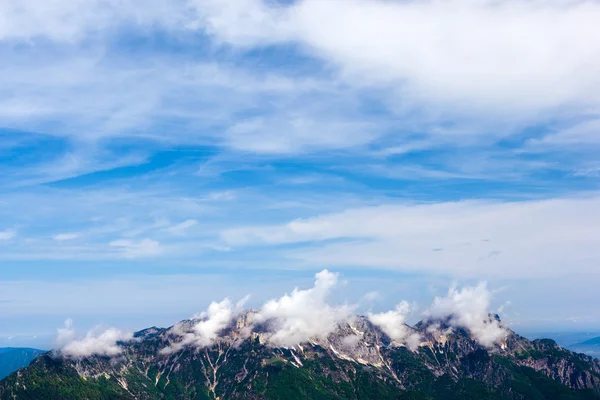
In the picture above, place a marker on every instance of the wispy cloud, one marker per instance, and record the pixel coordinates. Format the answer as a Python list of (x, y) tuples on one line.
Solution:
[(7, 234), (69, 22), (584, 134), (136, 249), (470, 237), (182, 227), (62, 237), (428, 48)]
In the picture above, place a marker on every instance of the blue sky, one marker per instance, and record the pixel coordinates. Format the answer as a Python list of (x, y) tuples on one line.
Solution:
[(157, 155)]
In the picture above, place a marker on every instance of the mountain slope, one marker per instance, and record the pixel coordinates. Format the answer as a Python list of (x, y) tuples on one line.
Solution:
[(11, 359), (590, 347), (356, 361)]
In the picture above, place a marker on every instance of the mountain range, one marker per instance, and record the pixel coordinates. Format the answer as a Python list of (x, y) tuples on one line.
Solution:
[(357, 360), (11, 359), (590, 347)]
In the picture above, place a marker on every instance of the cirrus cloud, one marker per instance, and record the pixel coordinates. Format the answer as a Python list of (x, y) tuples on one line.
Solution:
[(466, 238)]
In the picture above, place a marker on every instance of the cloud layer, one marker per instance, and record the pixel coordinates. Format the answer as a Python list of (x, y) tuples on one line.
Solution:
[(510, 58)]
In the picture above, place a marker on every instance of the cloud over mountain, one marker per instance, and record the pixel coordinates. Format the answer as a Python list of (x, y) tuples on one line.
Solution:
[(303, 314), (299, 317), (96, 342), (469, 308), (206, 330), (394, 324)]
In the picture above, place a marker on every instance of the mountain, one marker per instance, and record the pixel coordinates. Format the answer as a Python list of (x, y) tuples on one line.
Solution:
[(11, 359), (564, 339), (355, 361), (590, 347), (593, 341)]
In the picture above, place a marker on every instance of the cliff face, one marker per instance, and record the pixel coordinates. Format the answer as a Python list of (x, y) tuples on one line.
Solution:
[(356, 361)]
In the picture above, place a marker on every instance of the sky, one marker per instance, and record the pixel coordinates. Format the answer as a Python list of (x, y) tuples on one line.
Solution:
[(156, 155)]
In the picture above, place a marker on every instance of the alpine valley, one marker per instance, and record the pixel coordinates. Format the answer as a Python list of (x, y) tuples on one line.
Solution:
[(357, 360)]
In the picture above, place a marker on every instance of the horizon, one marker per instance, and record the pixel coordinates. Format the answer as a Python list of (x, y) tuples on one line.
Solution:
[(158, 156)]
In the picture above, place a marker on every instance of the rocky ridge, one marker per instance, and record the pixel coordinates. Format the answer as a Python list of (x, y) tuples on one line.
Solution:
[(356, 361)]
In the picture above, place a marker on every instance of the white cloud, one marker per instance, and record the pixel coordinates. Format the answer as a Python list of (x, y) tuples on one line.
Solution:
[(467, 238), (206, 331), (465, 56), (137, 249), (7, 235), (101, 343), (215, 319), (66, 334), (304, 314), (393, 323), (469, 308), (62, 237)]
